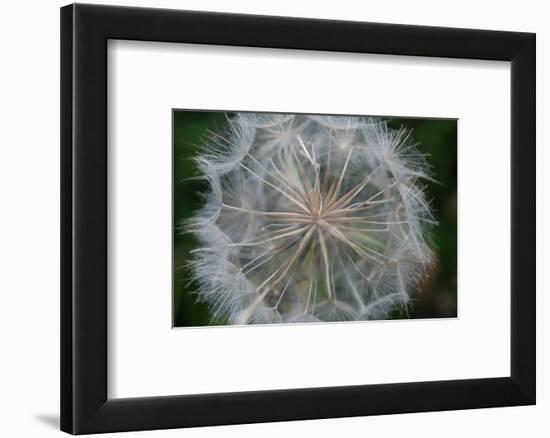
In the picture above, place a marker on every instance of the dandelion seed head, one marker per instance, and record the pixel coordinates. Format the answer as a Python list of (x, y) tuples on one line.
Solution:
[(310, 218)]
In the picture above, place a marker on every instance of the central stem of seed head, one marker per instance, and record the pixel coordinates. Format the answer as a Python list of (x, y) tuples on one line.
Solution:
[(317, 215)]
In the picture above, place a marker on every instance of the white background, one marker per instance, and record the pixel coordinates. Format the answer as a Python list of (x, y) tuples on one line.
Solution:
[(147, 358), (29, 223)]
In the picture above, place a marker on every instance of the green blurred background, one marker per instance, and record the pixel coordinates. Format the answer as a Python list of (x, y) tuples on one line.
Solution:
[(436, 297)]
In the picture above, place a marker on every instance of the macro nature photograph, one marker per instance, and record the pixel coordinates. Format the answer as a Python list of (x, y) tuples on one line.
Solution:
[(299, 218)]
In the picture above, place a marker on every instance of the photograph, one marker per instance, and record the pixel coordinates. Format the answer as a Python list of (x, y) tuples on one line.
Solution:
[(299, 218)]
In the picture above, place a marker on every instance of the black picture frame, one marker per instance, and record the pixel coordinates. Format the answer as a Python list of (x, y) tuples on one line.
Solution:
[(85, 407)]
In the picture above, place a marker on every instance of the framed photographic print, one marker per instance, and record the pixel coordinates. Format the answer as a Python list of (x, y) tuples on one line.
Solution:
[(269, 219)]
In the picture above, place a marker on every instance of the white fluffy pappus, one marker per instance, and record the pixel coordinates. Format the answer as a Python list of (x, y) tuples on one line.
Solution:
[(310, 218)]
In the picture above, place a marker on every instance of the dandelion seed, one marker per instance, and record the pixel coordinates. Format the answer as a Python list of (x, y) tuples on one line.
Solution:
[(310, 218)]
